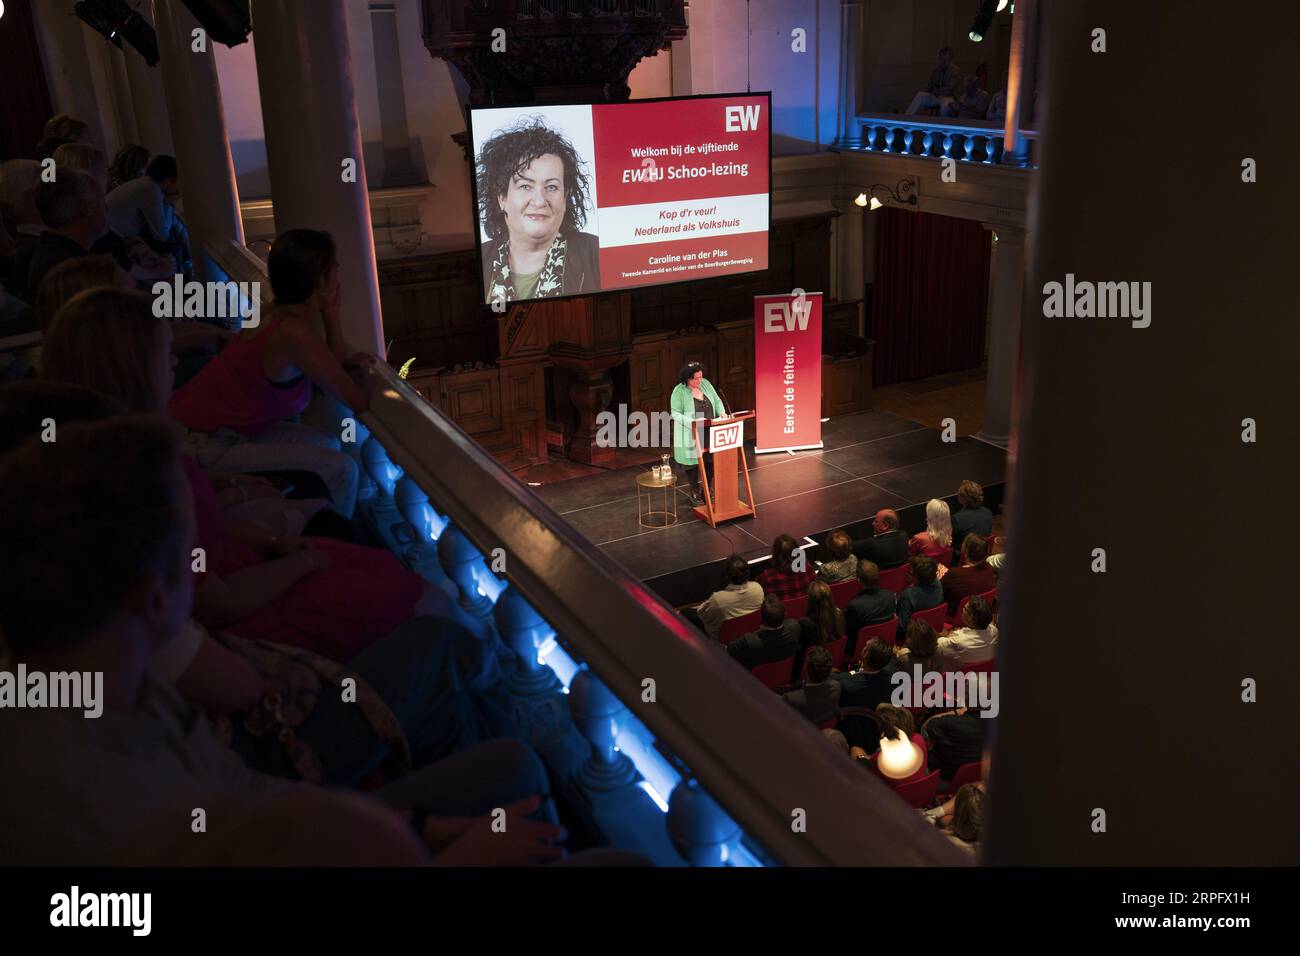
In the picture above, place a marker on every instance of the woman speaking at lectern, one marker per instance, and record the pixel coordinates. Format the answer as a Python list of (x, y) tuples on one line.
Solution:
[(694, 397)]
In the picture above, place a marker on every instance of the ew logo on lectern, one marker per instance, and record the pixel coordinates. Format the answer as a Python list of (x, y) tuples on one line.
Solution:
[(726, 437)]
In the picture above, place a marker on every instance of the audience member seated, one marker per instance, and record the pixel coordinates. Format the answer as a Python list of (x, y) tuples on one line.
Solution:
[(237, 407), (971, 515), (19, 217), (819, 698), (317, 593), (836, 739), (871, 685), (429, 688), (961, 818), (102, 513), (72, 208), (823, 623), (974, 641), (872, 605), (129, 162), (888, 548), (972, 574), (776, 640), (920, 645), (145, 208), (941, 89), (954, 739), (868, 687), (89, 159), (781, 579), (843, 564), (936, 539), (741, 596), (973, 102), (91, 272), (924, 594), (60, 129)]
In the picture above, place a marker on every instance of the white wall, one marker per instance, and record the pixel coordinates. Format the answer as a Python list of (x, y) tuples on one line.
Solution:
[(727, 53)]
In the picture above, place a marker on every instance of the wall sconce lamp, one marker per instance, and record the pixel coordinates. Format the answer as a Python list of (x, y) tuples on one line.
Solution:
[(904, 193)]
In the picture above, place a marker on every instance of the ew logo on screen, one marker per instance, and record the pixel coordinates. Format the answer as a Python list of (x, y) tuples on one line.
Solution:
[(741, 119), (786, 316)]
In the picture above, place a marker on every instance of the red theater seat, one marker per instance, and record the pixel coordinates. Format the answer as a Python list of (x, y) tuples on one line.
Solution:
[(895, 579), (885, 631), (935, 616), (920, 793), (737, 626), (844, 591), (775, 674)]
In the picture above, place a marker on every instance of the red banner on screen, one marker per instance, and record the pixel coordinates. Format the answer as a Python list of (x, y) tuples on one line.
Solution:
[(788, 371)]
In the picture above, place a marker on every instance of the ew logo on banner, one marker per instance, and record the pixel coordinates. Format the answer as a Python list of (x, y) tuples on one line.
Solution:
[(74, 909)]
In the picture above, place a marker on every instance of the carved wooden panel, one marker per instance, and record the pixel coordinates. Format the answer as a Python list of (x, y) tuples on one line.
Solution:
[(473, 399), (846, 385)]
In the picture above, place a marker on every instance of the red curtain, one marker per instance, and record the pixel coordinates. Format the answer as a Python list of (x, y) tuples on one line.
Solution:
[(930, 294), (25, 102)]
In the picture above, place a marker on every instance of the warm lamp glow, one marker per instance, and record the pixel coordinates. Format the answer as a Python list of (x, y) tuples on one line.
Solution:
[(861, 200), (899, 757), (875, 204)]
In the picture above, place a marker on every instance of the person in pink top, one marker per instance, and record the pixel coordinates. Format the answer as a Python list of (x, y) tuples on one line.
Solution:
[(936, 539), (237, 409), (324, 595)]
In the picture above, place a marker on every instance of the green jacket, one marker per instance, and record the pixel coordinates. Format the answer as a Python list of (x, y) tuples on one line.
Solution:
[(683, 409)]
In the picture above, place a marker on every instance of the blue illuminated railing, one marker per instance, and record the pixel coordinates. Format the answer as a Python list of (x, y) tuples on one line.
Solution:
[(664, 745), (967, 141)]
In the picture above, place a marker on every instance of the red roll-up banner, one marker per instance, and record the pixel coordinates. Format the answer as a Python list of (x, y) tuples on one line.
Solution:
[(788, 371)]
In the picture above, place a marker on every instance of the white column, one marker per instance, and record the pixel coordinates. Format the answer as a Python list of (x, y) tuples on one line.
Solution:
[(852, 275), (850, 133), (67, 65), (211, 201), (1005, 294), (1015, 149), (304, 73), (150, 101)]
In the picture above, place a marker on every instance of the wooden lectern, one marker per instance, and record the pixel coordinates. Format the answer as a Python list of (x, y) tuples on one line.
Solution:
[(722, 501)]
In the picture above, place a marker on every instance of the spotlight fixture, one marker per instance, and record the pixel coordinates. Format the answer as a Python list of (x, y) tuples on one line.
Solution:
[(226, 21), (117, 22), (903, 193), (983, 17), (1002, 5)]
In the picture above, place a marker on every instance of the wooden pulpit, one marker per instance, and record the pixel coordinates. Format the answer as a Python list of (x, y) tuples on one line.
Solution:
[(722, 489)]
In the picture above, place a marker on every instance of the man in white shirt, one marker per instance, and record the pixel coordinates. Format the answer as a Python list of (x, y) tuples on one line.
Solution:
[(941, 91), (741, 596), (976, 641), (147, 201)]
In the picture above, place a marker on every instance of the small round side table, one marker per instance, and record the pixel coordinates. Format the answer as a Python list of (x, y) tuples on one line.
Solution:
[(651, 490)]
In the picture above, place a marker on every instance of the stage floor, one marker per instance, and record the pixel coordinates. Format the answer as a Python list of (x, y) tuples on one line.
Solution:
[(871, 460)]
